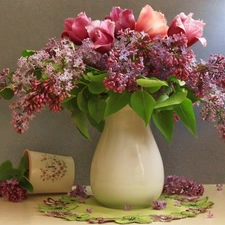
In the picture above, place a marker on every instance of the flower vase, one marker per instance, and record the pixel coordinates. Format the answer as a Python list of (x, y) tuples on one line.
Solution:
[(127, 168)]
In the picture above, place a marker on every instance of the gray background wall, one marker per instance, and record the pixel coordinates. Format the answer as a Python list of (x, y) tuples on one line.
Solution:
[(28, 24)]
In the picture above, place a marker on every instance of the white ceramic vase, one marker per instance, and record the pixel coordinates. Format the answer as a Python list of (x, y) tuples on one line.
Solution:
[(127, 167)]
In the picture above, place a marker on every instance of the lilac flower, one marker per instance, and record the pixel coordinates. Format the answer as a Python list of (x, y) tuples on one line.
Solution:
[(181, 185), (127, 207), (79, 192), (219, 187), (90, 56), (60, 66), (89, 210), (3, 78), (177, 203), (11, 190), (159, 204), (162, 218), (210, 215)]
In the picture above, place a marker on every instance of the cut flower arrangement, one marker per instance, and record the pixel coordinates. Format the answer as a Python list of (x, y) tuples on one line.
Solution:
[(98, 67)]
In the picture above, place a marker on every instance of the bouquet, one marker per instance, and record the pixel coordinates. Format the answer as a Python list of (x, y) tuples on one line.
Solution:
[(98, 67)]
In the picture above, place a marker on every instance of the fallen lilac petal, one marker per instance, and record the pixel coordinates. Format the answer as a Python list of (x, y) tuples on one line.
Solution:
[(89, 210), (219, 187), (210, 215), (127, 207), (159, 204)]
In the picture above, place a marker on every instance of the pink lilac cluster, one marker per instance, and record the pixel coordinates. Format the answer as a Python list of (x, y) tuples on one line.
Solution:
[(45, 78), (3, 78), (11, 190), (182, 186)]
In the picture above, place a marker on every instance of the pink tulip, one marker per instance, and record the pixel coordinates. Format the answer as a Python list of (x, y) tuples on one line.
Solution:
[(123, 18), (193, 29), (101, 34), (74, 28), (152, 22)]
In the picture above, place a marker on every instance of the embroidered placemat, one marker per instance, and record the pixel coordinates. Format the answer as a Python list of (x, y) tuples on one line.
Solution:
[(86, 208)]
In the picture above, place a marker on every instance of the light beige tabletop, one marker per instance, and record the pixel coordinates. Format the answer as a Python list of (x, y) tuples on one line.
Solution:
[(26, 212)]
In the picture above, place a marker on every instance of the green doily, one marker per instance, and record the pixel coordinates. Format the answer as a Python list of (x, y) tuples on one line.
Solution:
[(89, 210)]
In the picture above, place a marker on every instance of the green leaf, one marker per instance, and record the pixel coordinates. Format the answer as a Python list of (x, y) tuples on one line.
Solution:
[(8, 172), (70, 104), (44, 76), (164, 121), (80, 120), (24, 164), (99, 126), (5, 170), (151, 82), (97, 78), (82, 100), (186, 113), (96, 108), (143, 104), (6, 93), (188, 214), (202, 201), (38, 73), (116, 101), (191, 95), (27, 53), (134, 219), (175, 99), (174, 79), (96, 87), (82, 217), (25, 183)]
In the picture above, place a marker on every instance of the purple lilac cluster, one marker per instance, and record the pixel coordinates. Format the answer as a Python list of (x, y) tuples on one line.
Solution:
[(136, 54), (79, 192), (60, 68), (11, 190), (182, 186), (211, 88), (90, 56), (126, 61), (170, 56)]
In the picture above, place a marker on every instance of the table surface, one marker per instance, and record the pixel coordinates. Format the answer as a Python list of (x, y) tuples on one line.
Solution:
[(26, 212)]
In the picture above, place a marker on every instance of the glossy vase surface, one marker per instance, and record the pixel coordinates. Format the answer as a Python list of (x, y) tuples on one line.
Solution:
[(127, 167)]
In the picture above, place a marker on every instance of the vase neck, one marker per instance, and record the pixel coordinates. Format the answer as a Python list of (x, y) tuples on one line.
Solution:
[(125, 116)]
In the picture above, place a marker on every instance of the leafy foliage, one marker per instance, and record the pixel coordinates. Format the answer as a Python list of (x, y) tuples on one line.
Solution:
[(7, 172)]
